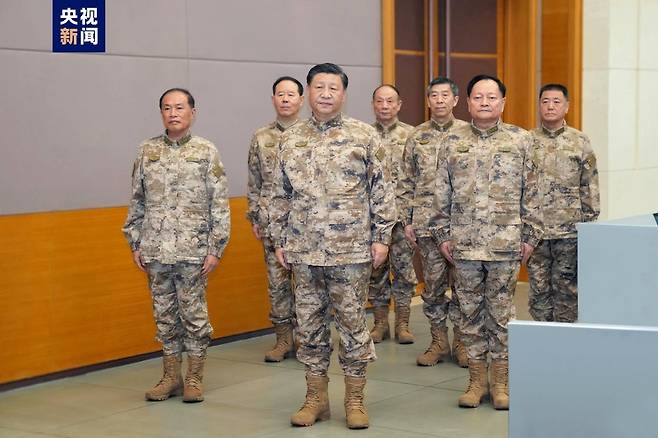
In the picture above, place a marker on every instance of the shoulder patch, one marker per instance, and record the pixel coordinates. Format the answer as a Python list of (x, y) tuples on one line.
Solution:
[(301, 144), (462, 149), (269, 144)]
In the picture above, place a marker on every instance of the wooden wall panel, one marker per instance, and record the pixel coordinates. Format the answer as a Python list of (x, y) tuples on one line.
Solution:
[(561, 50), (72, 297)]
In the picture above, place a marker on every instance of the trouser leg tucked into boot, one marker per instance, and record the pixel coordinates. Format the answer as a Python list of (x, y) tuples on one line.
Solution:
[(499, 388), (316, 405), (458, 349), (402, 333), (355, 413), (477, 386), (438, 350), (193, 391), (284, 346), (171, 383), (380, 330)]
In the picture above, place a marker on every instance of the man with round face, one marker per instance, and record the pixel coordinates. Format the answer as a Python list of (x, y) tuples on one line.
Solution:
[(287, 99), (570, 194), (487, 220), (178, 225), (331, 215), (415, 195), (393, 133)]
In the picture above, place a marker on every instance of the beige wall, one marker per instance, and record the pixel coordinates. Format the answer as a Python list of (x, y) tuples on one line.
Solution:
[(620, 88), (71, 123)]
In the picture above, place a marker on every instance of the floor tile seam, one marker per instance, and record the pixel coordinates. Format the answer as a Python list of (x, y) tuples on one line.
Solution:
[(406, 394), (396, 429), (96, 418), (419, 385)]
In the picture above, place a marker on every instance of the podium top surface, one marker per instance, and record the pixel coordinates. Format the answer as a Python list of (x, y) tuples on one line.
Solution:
[(645, 220)]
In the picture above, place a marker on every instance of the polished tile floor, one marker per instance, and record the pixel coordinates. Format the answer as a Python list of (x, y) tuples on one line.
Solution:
[(246, 397)]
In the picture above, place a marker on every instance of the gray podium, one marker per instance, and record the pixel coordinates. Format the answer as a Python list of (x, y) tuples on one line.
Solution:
[(599, 377)]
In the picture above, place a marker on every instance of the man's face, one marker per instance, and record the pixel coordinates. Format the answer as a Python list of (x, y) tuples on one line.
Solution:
[(441, 101), (326, 96), (553, 106), (386, 105), (286, 100), (177, 114), (486, 102)]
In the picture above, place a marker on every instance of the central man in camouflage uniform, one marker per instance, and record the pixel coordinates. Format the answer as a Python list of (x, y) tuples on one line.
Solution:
[(178, 225), (415, 197), (569, 184), (287, 98), (386, 104), (331, 218), (488, 220)]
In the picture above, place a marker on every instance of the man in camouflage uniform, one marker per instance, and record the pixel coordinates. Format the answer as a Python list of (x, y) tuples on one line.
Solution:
[(178, 225), (415, 195), (331, 218), (488, 220), (287, 98), (386, 104), (569, 185)]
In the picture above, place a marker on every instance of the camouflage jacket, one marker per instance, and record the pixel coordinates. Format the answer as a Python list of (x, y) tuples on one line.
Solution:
[(420, 161), (393, 138), (331, 196), (262, 155), (568, 180), (179, 209), (487, 195)]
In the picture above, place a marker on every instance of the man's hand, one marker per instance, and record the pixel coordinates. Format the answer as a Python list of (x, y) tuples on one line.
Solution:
[(137, 258), (281, 257), (256, 230), (526, 252), (379, 252), (209, 264), (410, 235), (445, 248)]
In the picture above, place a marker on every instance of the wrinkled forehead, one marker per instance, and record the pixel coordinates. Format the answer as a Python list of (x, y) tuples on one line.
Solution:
[(486, 86), (286, 86), (385, 92), (174, 98)]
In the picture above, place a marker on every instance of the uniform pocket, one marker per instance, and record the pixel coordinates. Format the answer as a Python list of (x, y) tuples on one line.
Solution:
[(347, 230)]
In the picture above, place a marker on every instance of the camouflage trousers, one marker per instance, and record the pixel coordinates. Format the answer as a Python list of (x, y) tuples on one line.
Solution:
[(400, 266), (437, 305), (180, 308), (553, 273), (486, 291), (279, 289), (319, 290)]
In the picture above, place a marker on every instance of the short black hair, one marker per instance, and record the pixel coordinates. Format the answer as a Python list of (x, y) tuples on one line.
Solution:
[(300, 87), (327, 67), (443, 80), (386, 85), (479, 78), (190, 98), (557, 87)]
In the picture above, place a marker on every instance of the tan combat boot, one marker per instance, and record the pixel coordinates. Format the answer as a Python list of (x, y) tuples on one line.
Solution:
[(284, 346), (458, 349), (499, 388), (439, 349), (355, 413), (193, 390), (380, 330), (171, 383), (402, 333), (316, 405), (477, 387)]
